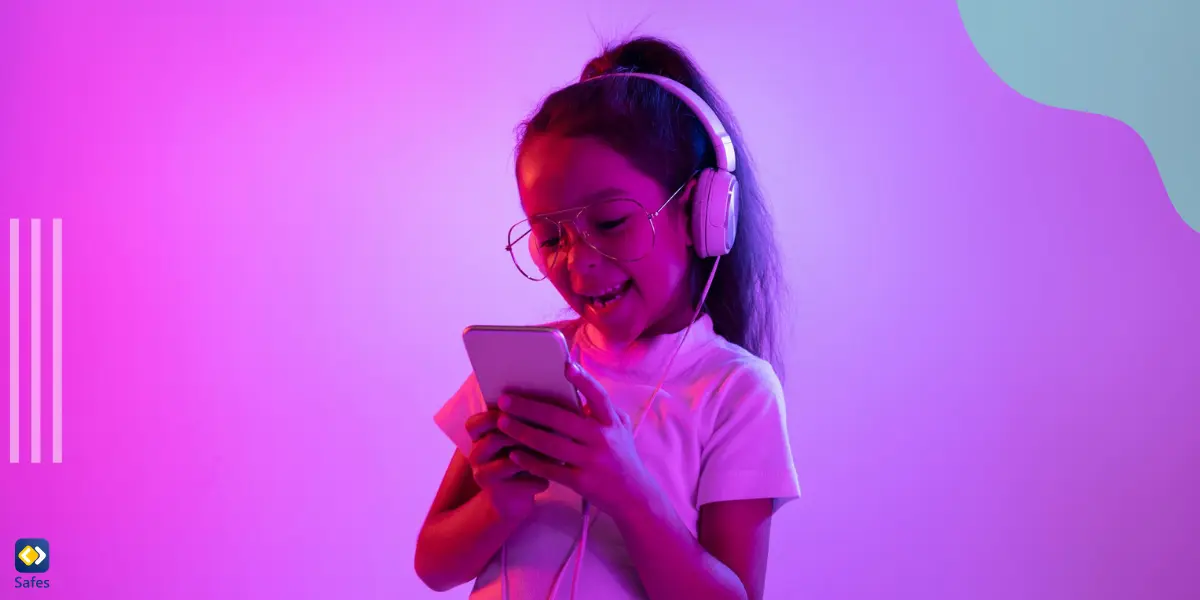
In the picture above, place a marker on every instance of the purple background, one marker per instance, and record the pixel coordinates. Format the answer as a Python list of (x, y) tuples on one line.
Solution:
[(278, 219)]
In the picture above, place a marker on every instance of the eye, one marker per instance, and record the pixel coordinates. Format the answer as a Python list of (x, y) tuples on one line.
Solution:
[(611, 224), (615, 215)]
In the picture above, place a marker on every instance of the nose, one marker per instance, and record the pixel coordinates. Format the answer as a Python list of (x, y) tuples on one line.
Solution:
[(580, 254)]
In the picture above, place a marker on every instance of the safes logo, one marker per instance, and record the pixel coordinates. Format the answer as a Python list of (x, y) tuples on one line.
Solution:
[(32, 556)]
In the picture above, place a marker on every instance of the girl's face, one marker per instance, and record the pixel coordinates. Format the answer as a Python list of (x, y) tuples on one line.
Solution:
[(588, 206)]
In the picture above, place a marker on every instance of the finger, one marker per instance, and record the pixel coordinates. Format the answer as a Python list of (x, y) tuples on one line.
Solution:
[(551, 444), (479, 424), (497, 470), (549, 416), (488, 448), (568, 404), (544, 468), (529, 483), (624, 417), (524, 476), (601, 408)]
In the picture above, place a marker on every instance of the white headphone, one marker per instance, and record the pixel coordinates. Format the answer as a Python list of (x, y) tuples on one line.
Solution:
[(715, 198), (714, 227)]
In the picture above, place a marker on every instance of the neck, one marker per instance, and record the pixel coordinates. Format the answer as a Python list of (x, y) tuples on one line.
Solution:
[(683, 308), (678, 318), (676, 322)]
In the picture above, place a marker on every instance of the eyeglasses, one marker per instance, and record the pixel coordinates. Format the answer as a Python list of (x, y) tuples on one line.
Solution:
[(620, 229)]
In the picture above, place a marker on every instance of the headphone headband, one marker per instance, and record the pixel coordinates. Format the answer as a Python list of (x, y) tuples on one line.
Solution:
[(720, 139)]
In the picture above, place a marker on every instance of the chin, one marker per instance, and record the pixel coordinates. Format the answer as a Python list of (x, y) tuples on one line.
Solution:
[(604, 327)]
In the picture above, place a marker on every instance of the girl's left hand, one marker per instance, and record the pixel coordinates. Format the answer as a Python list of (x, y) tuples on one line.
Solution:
[(592, 453)]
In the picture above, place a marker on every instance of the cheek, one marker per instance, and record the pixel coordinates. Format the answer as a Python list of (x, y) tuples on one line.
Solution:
[(561, 280), (661, 273)]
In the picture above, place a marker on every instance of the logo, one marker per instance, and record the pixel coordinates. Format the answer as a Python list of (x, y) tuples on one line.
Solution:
[(33, 555)]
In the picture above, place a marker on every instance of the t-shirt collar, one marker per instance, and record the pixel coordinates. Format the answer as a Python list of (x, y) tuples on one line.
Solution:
[(643, 357)]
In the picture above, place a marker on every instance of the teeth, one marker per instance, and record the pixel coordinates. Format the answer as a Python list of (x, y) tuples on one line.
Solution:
[(603, 303), (595, 298), (616, 289)]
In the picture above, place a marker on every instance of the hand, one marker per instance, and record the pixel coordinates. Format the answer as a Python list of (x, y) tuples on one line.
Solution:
[(508, 487), (592, 453)]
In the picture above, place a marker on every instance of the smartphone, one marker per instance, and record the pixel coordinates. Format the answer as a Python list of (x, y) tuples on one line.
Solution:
[(523, 360)]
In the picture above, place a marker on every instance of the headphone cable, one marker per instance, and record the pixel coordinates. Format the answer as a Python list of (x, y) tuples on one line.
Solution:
[(588, 517)]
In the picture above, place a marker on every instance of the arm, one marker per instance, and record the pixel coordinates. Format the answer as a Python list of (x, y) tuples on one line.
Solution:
[(747, 474), (482, 500), (738, 533), (729, 560), (462, 532), (471, 519)]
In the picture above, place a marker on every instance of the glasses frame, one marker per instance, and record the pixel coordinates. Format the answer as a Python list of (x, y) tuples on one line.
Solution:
[(574, 216)]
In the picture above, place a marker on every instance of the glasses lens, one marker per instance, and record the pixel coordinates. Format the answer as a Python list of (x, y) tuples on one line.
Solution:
[(534, 246), (619, 229)]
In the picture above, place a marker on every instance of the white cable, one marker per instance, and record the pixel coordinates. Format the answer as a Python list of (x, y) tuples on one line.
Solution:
[(667, 370), (587, 517), (504, 571), (584, 525)]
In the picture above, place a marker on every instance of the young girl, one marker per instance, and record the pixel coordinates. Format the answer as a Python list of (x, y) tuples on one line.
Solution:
[(666, 484)]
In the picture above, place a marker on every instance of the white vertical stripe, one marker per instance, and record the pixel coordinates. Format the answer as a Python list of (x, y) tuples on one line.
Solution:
[(35, 340), (56, 338), (14, 340)]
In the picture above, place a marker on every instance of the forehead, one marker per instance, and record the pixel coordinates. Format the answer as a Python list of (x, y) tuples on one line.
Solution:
[(558, 173)]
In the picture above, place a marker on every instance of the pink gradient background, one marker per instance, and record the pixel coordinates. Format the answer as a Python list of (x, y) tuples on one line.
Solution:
[(994, 380)]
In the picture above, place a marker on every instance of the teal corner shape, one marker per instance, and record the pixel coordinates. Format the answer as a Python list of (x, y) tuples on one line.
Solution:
[(1137, 61)]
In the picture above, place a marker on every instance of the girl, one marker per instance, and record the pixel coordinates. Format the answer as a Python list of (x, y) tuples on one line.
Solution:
[(655, 491)]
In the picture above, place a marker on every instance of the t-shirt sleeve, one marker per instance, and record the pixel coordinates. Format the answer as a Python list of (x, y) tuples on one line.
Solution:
[(452, 417), (748, 454)]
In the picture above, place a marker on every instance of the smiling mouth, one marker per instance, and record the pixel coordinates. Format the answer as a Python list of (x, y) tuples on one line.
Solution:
[(608, 296)]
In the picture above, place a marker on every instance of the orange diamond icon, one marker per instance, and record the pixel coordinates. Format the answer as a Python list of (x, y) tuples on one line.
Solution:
[(27, 556)]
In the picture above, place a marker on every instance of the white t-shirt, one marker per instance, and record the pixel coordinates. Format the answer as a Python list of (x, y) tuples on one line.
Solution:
[(717, 432)]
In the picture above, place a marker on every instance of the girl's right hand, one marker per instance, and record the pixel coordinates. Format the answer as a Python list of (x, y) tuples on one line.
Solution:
[(508, 488)]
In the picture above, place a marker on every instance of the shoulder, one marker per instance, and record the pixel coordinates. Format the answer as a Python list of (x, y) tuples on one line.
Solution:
[(736, 369), (738, 381)]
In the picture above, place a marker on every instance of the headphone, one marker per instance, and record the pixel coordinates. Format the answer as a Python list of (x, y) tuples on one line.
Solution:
[(714, 226), (715, 198)]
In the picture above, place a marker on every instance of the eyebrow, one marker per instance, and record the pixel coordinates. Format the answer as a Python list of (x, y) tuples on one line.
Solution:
[(600, 194)]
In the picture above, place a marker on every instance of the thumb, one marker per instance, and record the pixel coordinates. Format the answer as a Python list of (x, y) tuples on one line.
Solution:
[(593, 393)]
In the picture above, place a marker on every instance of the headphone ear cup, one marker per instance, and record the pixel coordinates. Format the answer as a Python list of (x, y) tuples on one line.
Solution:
[(714, 213)]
